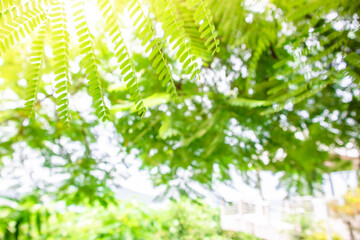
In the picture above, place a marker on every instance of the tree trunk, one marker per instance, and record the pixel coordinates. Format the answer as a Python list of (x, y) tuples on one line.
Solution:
[(258, 184), (331, 185), (351, 230)]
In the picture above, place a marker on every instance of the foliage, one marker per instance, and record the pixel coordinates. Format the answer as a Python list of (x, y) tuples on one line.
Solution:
[(351, 205), (167, 13), (349, 211), (185, 219), (322, 236), (303, 225), (244, 85), (306, 228), (13, 23)]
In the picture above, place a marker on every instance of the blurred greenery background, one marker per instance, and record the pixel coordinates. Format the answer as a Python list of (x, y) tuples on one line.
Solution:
[(281, 97), (183, 219)]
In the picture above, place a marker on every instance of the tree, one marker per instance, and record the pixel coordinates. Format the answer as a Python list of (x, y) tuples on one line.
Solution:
[(251, 85)]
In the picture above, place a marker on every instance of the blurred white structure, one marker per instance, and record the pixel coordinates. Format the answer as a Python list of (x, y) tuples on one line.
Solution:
[(268, 220), (253, 216)]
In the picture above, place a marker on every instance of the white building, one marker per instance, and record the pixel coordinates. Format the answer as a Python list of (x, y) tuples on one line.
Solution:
[(269, 220)]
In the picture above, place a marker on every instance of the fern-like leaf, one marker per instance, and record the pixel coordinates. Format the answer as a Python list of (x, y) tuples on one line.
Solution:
[(89, 61), (229, 15), (174, 28), (203, 18), (353, 59), (7, 6), (20, 22), (197, 44), (299, 95), (144, 29), (60, 37), (121, 51), (284, 85), (36, 61)]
